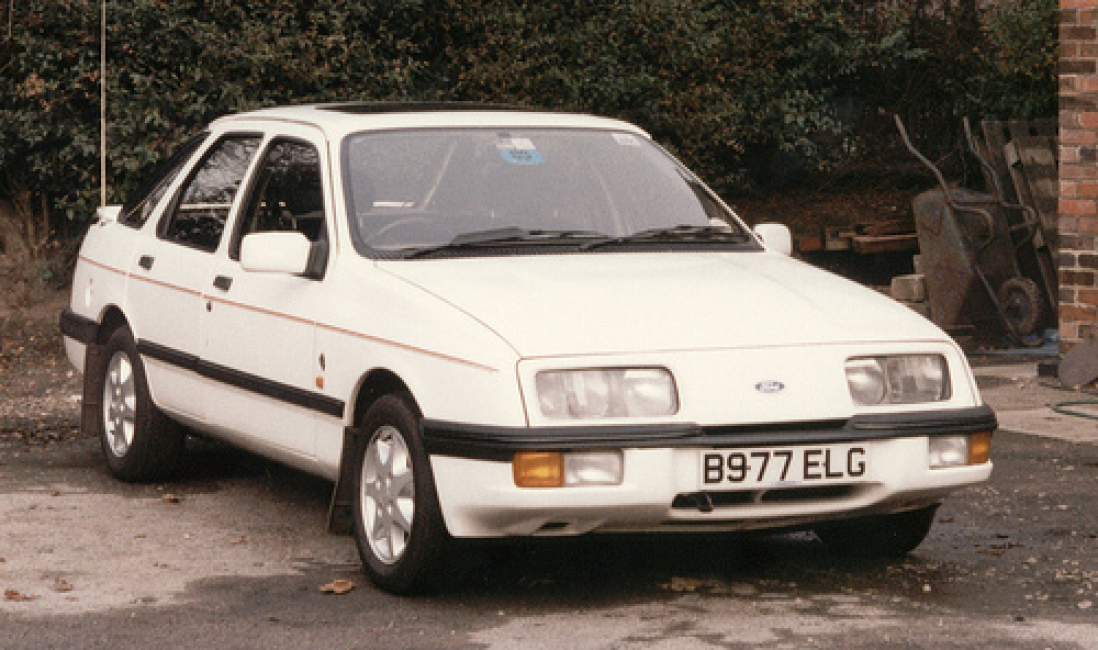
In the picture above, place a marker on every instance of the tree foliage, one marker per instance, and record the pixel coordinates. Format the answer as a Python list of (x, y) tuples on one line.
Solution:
[(740, 90)]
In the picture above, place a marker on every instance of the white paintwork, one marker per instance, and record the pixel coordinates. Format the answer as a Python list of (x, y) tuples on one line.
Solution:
[(275, 252), (467, 337), (776, 237)]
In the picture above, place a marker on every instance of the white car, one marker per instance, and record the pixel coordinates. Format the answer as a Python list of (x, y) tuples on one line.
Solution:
[(483, 322)]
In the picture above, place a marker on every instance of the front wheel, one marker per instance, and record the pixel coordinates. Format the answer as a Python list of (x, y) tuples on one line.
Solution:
[(880, 536), (399, 530)]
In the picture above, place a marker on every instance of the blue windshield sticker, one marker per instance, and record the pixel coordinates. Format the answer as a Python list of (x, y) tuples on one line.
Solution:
[(519, 151)]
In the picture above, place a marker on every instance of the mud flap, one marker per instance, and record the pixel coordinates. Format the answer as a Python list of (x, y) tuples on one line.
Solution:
[(340, 514), (93, 389)]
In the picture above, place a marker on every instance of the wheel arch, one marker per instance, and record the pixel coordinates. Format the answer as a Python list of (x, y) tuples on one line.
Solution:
[(374, 385), (112, 319)]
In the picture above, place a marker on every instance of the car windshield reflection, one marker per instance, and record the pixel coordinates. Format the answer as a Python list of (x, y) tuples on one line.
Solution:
[(414, 193)]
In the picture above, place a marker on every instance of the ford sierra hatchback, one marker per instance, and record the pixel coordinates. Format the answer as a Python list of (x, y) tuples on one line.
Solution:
[(483, 322)]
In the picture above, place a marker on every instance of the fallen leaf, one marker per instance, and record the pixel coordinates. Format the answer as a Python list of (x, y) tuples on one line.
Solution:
[(170, 498), (240, 540), (338, 587), (62, 585), (14, 596)]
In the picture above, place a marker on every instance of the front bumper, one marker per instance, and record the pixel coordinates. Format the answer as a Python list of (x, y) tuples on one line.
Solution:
[(662, 490)]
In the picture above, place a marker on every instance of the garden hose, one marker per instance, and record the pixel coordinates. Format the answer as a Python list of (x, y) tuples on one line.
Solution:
[(1061, 407)]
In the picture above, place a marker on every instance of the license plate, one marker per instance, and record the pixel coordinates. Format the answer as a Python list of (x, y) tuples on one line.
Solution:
[(783, 467)]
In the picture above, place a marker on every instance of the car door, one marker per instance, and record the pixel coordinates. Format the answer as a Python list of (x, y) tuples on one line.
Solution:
[(259, 327), (168, 271)]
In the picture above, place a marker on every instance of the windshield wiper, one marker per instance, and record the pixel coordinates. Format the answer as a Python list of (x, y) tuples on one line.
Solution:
[(504, 237), (677, 234)]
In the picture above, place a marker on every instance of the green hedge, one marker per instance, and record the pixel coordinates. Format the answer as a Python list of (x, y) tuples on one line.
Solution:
[(738, 89)]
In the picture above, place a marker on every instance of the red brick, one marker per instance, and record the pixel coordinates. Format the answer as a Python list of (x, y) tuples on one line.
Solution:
[(1068, 224), (1078, 206), (1080, 172), (1088, 226), (1071, 313), (1076, 278), (1088, 120), (1087, 189), (1078, 4), (1083, 33), (1086, 84), (1088, 297), (1079, 66), (1070, 154), (1069, 335), (1078, 136)]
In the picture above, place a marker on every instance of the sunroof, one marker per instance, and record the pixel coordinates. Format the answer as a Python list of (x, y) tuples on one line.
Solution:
[(419, 107)]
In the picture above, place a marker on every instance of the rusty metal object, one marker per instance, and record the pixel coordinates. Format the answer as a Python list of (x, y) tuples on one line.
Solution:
[(969, 252), (1030, 229)]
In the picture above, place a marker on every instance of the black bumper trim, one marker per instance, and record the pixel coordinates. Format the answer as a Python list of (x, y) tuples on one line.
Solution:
[(77, 327), (501, 443)]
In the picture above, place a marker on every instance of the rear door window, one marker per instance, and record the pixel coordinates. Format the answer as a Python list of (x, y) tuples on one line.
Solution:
[(197, 219)]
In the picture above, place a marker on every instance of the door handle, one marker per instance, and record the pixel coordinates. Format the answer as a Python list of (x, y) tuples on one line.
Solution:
[(146, 262), (223, 282)]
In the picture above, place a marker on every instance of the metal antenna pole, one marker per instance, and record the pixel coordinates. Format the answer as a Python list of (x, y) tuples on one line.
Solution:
[(103, 104)]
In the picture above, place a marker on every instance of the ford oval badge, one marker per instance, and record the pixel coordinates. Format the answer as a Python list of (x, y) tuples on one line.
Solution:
[(770, 386)]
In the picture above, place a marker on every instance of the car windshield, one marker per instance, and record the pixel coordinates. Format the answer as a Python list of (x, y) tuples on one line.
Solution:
[(493, 191)]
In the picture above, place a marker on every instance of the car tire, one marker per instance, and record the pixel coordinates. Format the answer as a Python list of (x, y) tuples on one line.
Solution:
[(399, 530), (139, 442), (1023, 305), (880, 536)]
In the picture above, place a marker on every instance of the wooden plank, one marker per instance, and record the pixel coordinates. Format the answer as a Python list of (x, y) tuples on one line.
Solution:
[(889, 227), (995, 139), (869, 245), (1037, 158)]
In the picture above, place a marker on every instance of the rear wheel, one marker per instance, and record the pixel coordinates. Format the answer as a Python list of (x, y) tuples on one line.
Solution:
[(399, 530), (139, 442), (880, 536)]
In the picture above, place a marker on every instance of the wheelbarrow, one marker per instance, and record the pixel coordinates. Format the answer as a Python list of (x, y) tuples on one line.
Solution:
[(1031, 241), (970, 259)]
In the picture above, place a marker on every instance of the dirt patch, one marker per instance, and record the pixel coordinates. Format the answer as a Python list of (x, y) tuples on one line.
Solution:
[(39, 389), (809, 209)]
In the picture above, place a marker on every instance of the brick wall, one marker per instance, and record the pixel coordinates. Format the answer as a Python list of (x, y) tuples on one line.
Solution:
[(1078, 259)]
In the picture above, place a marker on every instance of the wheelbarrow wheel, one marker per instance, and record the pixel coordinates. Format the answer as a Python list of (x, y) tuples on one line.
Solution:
[(1021, 301)]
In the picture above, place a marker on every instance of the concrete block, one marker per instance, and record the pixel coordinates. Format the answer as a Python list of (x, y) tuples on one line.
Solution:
[(909, 288)]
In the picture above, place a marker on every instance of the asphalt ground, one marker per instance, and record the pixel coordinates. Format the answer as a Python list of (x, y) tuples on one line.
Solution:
[(234, 555)]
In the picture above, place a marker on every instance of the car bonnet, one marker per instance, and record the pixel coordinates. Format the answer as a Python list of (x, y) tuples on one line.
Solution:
[(589, 304)]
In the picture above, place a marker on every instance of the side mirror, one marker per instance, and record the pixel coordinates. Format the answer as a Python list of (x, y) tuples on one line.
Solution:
[(776, 237), (276, 252), (108, 213)]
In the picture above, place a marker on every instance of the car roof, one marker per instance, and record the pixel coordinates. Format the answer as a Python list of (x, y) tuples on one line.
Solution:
[(340, 119)]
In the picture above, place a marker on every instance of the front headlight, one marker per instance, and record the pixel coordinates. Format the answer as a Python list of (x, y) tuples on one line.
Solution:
[(907, 379), (607, 393)]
